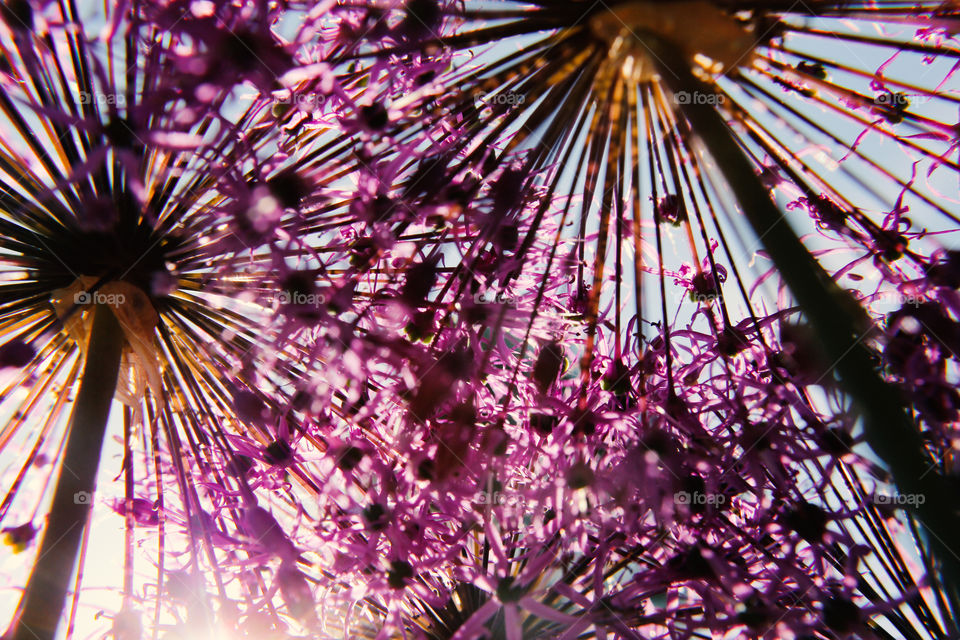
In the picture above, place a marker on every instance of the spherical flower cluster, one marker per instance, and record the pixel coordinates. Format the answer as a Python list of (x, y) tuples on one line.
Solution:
[(459, 319)]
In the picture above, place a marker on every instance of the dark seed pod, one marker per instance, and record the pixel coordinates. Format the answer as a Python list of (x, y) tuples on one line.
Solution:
[(808, 520), (420, 280), (548, 366), (349, 457), (374, 115), (289, 188), (278, 452), (399, 575)]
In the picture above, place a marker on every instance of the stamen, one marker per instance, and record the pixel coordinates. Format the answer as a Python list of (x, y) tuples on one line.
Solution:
[(137, 316)]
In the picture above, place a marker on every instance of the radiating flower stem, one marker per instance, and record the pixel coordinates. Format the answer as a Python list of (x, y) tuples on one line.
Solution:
[(45, 594), (888, 428)]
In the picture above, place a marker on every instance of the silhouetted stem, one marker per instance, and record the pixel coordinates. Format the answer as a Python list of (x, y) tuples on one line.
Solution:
[(888, 426), (42, 605)]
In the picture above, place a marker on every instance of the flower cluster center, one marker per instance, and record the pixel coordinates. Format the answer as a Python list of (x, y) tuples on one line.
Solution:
[(703, 34)]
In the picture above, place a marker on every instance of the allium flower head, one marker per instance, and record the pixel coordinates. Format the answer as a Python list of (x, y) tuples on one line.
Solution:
[(484, 319), (146, 199), (631, 167)]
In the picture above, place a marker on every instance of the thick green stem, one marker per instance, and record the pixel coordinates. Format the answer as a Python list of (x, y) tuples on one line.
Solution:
[(888, 426), (43, 600)]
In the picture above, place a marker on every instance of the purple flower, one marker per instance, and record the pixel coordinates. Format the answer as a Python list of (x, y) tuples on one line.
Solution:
[(403, 349), (146, 207)]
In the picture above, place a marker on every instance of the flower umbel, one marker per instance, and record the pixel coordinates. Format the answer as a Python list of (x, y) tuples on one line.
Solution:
[(141, 193), (497, 319)]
